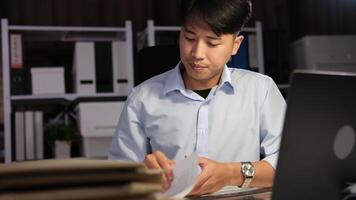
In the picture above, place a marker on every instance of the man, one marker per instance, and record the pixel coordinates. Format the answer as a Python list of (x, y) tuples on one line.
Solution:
[(228, 116)]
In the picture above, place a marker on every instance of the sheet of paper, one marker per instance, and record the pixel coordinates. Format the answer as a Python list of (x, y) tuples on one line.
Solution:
[(230, 189), (185, 173)]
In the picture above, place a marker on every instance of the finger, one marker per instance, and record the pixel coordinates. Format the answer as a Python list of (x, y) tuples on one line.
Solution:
[(203, 177), (152, 163), (172, 163), (165, 164), (198, 190), (203, 162), (200, 185)]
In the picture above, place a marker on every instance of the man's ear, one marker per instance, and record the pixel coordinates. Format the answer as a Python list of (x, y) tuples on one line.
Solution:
[(236, 45)]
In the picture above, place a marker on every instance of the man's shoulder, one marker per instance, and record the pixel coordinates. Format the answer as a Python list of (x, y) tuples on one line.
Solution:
[(151, 85), (242, 75)]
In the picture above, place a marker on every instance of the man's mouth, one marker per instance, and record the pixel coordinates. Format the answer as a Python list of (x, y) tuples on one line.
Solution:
[(197, 66)]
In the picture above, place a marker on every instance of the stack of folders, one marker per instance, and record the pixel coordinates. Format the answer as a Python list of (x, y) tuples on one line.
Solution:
[(78, 179)]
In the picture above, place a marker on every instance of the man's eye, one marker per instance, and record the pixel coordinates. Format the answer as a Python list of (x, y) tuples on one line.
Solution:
[(189, 38), (212, 44)]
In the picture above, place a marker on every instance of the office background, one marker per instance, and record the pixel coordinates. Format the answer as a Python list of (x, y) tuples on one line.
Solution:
[(284, 22)]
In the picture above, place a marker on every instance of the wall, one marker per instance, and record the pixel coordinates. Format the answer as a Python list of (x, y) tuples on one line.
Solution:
[(283, 21), (322, 17)]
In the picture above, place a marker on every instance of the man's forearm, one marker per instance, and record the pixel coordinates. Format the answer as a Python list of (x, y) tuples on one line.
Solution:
[(264, 174)]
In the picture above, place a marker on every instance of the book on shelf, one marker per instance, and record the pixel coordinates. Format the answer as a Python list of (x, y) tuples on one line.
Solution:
[(19, 136), (29, 136), (38, 130)]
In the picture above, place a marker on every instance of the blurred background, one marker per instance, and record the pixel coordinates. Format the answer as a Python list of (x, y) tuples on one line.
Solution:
[(284, 24)]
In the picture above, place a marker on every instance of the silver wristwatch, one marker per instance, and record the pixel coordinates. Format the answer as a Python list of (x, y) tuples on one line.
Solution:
[(247, 170)]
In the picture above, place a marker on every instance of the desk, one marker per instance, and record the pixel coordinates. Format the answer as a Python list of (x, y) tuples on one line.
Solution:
[(259, 194)]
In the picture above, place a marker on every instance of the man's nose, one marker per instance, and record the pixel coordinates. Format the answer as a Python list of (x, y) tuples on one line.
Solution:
[(198, 51)]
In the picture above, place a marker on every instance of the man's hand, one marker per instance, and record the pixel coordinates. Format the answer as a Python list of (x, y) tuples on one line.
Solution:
[(157, 160), (213, 177)]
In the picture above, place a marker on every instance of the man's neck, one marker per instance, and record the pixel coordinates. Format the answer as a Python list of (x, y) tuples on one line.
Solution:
[(193, 84)]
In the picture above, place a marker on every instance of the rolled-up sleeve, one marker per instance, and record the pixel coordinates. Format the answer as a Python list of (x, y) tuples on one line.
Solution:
[(129, 141), (272, 118)]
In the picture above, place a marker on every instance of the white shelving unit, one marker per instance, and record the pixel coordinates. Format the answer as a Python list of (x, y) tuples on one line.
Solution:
[(149, 36), (57, 33)]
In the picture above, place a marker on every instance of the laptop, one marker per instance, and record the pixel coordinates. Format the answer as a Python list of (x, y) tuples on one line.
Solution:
[(318, 151)]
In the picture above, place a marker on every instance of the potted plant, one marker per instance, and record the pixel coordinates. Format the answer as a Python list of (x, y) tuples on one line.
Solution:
[(60, 138)]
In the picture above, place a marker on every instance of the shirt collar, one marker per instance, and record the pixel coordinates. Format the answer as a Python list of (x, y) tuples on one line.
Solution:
[(225, 80), (174, 81)]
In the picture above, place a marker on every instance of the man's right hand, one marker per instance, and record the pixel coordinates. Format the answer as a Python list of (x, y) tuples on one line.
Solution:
[(157, 160)]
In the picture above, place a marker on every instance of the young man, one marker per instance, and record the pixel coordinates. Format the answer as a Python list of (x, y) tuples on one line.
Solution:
[(228, 116)]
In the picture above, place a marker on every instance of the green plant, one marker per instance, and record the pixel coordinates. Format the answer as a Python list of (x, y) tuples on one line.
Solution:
[(61, 132)]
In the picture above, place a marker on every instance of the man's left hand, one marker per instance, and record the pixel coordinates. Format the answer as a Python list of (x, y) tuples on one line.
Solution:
[(213, 177)]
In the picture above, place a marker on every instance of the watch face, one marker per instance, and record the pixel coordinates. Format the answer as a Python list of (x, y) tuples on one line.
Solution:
[(248, 169)]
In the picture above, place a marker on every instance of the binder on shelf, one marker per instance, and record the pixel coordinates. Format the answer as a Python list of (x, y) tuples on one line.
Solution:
[(18, 82), (29, 136), (19, 136), (16, 51), (120, 68), (38, 130), (103, 67), (18, 74), (84, 68)]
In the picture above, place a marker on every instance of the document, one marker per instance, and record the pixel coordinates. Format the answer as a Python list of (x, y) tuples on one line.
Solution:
[(185, 173), (230, 189)]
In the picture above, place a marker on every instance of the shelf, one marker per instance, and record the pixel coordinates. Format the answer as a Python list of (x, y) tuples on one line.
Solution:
[(63, 34), (69, 97), (67, 33), (65, 98)]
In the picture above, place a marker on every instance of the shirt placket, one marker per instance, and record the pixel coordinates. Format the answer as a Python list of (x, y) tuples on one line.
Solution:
[(202, 130)]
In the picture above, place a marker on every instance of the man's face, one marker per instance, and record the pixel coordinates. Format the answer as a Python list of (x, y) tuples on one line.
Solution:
[(204, 54)]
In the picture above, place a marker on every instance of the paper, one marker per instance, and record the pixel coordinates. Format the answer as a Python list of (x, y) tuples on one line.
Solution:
[(185, 173), (230, 189)]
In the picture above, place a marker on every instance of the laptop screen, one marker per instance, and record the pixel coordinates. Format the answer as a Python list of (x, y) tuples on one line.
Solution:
[(318, 151)]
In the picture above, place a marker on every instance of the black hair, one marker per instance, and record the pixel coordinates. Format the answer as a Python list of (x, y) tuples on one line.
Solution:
[(223, 16)]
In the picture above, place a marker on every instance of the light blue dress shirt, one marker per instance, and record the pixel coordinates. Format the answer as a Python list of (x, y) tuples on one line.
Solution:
[(240, 119)]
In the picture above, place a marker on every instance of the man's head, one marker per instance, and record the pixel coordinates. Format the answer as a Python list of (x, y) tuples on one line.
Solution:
[(208, 38), (223, 16)]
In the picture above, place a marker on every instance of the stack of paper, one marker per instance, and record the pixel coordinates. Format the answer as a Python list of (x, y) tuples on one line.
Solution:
[(78, 179)]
